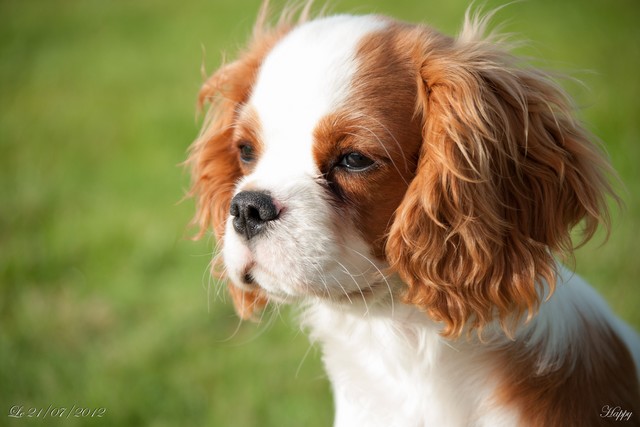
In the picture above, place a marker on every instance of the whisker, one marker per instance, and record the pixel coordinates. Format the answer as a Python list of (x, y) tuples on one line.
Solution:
[(235, 331), (393, 137), (406, 166), (263, 327), (322, 279), (382, 276), (344, 291), (304, 358), (364, 299)]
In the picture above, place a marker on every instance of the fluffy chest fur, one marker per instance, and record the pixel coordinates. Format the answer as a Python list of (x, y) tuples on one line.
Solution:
[(400, 372)]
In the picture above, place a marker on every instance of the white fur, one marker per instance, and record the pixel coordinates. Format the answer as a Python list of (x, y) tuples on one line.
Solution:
[(305, 77)]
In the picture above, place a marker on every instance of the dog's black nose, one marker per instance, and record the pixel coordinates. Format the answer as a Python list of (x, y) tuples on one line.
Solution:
[(251, 210)]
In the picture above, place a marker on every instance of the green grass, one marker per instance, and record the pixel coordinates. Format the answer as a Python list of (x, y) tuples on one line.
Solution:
[(105, 302)]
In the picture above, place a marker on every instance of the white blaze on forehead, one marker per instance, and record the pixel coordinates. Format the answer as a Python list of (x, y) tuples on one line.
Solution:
[(303, 79)]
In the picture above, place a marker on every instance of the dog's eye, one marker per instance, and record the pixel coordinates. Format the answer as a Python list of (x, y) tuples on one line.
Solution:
[(356, 162), (247, 154)]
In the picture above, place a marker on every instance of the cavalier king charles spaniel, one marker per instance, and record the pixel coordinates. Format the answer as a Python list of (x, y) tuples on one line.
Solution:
[(416, 193)]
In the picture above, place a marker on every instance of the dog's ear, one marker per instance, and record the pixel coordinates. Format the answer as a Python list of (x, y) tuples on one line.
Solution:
[(215, 168), (214, 163), (505, 172)]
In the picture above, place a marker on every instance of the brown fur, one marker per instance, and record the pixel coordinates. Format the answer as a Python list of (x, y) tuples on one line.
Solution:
[(505, 172), (603, 374)]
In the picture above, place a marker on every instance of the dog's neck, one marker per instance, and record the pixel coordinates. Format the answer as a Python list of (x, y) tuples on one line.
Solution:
[(398, 363)]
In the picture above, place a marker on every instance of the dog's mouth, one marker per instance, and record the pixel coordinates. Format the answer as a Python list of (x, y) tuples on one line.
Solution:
[(318, 290), (248, 279)]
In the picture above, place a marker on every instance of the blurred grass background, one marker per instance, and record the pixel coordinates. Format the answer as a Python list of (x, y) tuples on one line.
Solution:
[(105, 302)]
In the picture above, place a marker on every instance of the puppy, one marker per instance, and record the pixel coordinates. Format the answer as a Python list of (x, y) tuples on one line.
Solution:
[(414, 191)]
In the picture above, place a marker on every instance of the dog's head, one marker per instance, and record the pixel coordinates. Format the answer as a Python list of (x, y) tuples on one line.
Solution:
[(342, 151)]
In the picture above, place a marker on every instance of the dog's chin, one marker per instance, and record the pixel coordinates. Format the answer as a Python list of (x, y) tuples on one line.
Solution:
[(284, 291)]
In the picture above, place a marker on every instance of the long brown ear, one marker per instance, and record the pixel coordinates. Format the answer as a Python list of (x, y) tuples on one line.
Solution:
[(213, 161), (505, 172)]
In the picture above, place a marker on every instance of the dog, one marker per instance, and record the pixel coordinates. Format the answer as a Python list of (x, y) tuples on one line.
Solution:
[(415, 192)]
